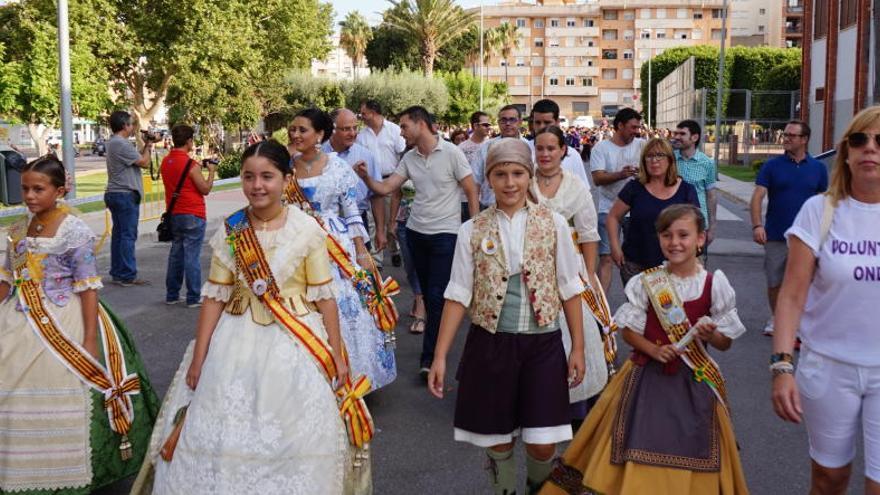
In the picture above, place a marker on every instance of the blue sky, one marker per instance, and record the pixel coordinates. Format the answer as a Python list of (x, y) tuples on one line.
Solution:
[(372, 9)]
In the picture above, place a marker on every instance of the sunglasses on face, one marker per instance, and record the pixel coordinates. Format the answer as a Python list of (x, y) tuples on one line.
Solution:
[(860, 139)]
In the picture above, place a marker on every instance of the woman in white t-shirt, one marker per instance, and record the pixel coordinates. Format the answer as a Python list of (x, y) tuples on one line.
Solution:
[(831, 291)]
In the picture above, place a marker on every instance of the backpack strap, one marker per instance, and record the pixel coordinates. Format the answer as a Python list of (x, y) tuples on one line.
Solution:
[(827, 219)]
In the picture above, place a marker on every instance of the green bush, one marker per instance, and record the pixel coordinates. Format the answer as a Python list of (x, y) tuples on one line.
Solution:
[(396, 91), (229, 166), (464, 96), (757, 164)]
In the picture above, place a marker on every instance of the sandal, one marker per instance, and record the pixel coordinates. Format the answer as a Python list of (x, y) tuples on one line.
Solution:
[(417, 326)]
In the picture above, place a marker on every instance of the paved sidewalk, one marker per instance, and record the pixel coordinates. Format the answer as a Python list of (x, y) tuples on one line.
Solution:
[(735, 190)]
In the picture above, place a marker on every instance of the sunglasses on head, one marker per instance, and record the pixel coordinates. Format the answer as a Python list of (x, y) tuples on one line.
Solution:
[(859, 139)]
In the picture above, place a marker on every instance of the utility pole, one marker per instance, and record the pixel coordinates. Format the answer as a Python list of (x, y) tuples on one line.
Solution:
[(481, 55), (719, 93), (66, 104)]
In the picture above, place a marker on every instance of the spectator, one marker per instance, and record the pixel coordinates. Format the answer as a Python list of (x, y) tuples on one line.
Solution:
[(480, 129), (188, 218), (830, 296), (787, 181), (123, 195), (343, 143), (437, 169), (509, 122), (458, 136), (544, 114), (698, 170), (613, 162)]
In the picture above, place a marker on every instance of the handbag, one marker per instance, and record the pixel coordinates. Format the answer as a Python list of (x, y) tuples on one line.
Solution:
[(163, 230)]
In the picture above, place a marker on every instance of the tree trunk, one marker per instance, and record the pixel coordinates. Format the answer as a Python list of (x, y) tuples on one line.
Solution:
[(143, 112), (429, 52), (39, 133)]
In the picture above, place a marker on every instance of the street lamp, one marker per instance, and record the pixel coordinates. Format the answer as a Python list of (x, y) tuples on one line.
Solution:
[(481, 55), (650, 87), (66, 104)]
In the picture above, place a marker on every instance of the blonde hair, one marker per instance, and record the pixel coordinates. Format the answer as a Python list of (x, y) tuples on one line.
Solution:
[(841, 176), (664, 147)]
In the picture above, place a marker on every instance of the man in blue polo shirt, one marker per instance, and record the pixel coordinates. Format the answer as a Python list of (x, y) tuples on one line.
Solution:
[(787, 181)]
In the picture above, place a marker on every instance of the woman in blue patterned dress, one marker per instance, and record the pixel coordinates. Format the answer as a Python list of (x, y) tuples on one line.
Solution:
[(329, 185)]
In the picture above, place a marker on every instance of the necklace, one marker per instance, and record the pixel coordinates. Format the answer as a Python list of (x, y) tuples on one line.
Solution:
[(266, 220), (548, 178), (311, 162), (42, 223)]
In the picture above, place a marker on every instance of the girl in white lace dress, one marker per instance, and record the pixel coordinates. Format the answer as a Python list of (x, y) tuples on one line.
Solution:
[(261, 418)]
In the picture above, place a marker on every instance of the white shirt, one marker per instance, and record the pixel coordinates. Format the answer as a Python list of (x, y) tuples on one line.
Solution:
[(386, 146), (574, 202), (513, 232), (609, 157), (841, 315), (571, 162)]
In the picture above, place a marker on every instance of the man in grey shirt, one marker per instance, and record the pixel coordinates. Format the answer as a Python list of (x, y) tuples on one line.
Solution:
[(123, 196)]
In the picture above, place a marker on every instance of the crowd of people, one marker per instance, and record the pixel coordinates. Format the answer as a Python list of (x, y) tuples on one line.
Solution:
[(500, 230)]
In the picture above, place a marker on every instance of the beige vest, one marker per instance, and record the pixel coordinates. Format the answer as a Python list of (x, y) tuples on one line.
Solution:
[(538, 267)]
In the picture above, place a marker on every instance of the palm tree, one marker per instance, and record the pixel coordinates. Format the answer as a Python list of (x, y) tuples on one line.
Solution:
[(354, 36), (507, 37), (431, 23)]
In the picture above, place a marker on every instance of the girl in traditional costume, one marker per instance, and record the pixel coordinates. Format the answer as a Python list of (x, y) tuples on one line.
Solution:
[(515, 272), (325, 186), (76, 407), (252, 408), (662, 426), (567, 195)]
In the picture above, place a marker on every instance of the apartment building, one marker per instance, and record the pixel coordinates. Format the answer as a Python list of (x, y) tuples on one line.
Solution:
[(840, 74), (587, 56), (338, 65), (756, 22)]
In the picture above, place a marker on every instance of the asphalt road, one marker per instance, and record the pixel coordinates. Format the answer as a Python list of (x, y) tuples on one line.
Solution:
[(414, 452)]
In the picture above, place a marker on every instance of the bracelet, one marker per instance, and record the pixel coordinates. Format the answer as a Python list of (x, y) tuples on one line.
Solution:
[(759, 226), (781, 368), (783, 371), (784, 357)]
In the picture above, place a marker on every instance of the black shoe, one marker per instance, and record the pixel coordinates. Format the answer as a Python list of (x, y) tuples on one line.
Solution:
[(395, 260)]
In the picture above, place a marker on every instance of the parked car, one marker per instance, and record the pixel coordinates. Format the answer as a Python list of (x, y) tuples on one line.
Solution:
[(98, 147)]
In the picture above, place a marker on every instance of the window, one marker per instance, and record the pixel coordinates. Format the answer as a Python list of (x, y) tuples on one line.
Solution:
[(609, 34), (586, 81), (539, 42), (628, 35), (681, 34), (580, 107), (626, 74), (569, 81), (520, 62), (697, 34), (503, 63), (698, 15), (554, 23), (681, 13), (588, 23), (629, 15), (591, 43), (569, 62), (661, 34), (760, 29), (762, 11), (627, 54), (539, 23), (716, 34), (609, 74), (570, 22), (609, 15), (520, 23), (645, 13), (554, 81), (590, 63), (553, 42), (645, 35), (661, 14), (553, 62), (820, 24), (848, 13), (609, 54), (716, 13)]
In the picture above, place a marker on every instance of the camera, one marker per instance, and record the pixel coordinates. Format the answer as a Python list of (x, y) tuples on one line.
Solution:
[(150, 137), (209, 161)]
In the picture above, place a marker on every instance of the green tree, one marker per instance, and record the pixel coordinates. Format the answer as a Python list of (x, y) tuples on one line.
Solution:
[(784, 77), (354, 37), (396, 91), (9, 82), (390, 49), (464, 96), (431, 23)]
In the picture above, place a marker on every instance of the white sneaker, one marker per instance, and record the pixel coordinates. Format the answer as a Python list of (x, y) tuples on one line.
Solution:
[(768, 328)]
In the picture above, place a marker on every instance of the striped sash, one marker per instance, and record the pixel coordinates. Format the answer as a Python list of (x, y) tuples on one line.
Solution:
[(594, 297), (251, 261)]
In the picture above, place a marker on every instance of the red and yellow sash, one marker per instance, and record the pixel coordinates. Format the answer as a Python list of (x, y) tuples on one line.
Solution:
[(114, 382), (670, 311), (594, 297), (251, 261), (376, 291)]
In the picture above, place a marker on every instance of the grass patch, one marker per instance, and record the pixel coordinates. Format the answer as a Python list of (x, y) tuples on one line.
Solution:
[(738, 172)]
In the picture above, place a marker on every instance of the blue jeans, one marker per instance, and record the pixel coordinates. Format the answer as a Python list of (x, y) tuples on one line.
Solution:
[(124, 211), (188, 232), (408, 262), (433, 254)]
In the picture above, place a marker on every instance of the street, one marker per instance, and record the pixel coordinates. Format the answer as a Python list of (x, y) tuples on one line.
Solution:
[(413, 451)]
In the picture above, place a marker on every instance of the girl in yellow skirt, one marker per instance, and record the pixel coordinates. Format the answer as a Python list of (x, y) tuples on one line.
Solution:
[(662, 425)]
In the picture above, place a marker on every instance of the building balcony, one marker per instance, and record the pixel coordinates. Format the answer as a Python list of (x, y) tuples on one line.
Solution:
[(518, 90), (794, 10), (572, 71), (665, 24), (571, 91), (571, 51), (561, 32), (511, 71)]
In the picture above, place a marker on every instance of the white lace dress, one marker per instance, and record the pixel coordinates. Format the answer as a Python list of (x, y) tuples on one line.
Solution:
[(333, 196), (574, 202), (263, 418)]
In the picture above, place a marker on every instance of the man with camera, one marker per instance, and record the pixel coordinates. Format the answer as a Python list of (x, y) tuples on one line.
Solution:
[(183, 180), (123, 195)]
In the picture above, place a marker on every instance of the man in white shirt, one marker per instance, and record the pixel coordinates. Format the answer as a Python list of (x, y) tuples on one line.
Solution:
[(437, 169), (509, 122), (544, 114), (382, 137), (613, 162), (480, 129)]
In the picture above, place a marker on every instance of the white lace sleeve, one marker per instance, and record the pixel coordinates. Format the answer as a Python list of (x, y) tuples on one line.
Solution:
[(221, 249), (634, 313), (319, 292), (723, 309), (5, 268), (221, 293)]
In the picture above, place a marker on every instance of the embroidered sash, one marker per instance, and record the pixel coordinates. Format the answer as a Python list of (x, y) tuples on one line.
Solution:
[(251, 261), (594, 297), (375, 291), (114, 381), (670, 311)]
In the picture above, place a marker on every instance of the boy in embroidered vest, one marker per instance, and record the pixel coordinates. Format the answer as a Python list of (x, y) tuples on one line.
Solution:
[(662, 425), (515, 271)]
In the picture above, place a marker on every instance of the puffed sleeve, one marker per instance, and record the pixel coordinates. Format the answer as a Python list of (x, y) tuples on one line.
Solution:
[(221, 275), (461, 281), (351, 214), (568, 261), (319, 278), (6, 267), (585, 219), (723, 309), (634, 312), (85, 267)]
